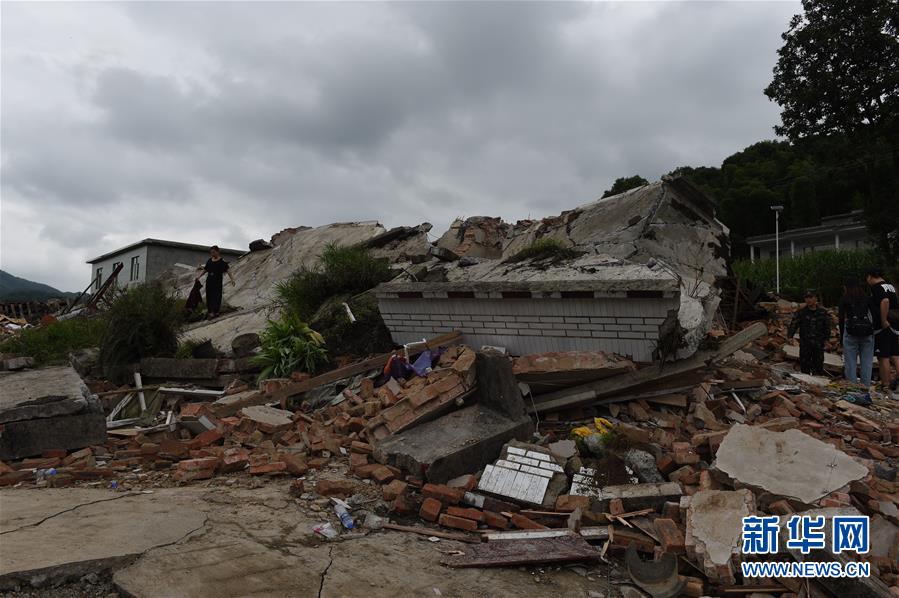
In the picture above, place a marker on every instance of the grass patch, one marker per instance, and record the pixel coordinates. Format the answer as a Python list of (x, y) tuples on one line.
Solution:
[(52, 343), (821, 270), (546, 249), (342, 270), (143, 321)]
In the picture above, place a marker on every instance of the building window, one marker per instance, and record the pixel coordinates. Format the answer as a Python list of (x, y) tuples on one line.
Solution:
[(98, 280), (114, 266), (135, 267)]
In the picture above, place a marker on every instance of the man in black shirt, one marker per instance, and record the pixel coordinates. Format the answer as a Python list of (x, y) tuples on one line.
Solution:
[(884, 312), (813, 325)]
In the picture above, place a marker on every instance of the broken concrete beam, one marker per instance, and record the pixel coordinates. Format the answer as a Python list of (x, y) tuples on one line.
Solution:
[(231, 404), (47, 408), (12, 364), (32, 437), (170, 368), (459, 442), (544, 372), (788, 464), (268, 419), (636, 496), (589, 393), (714, 520)]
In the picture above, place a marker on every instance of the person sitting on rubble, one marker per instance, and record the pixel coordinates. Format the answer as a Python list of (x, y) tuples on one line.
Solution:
[(214, 268), (885, 312), (813, 325), (856, 332)]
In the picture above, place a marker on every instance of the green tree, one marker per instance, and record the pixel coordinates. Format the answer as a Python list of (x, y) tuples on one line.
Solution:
[(623, 184), (804, 208), (837, 74)]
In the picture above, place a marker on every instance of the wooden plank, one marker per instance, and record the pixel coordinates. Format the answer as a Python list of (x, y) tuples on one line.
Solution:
[(138, 386), (424, 531), (361, 367), (122, 391), (589, 393), (832, 361), (669, 400), (529, 534), (536, 551)]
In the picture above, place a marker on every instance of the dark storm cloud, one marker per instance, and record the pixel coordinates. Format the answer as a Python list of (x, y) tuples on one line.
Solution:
[(230, 121)]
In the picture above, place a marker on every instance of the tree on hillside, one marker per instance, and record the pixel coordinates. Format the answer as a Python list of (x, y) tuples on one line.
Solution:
[(623, 184), (837, 71), (837, 74)]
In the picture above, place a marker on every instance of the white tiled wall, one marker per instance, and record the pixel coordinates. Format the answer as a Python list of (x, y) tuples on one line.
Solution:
[(627, 326)]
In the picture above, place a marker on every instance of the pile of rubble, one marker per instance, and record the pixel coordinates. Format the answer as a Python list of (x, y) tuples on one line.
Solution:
[(668, 467)]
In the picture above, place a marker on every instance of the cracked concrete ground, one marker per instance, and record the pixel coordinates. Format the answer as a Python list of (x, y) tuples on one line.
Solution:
[(194, 541)]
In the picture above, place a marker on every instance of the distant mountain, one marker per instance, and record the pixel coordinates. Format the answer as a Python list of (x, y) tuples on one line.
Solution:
[(13, 288)]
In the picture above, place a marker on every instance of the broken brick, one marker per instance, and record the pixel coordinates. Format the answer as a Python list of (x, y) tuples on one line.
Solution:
[(430, 509), (334, 487), (273, 468), (495, 520), (394, 489), (444, 494), (570, 502), (466, 513), (382, 474), (522, 522), (458, 523), (672, 538), (358, 460), (401, 505)]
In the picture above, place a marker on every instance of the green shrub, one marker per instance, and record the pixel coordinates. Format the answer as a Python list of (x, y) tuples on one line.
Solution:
[(546, 248), (288, 344), (821, 270), (51, 343), (143, 321), (342, 270)]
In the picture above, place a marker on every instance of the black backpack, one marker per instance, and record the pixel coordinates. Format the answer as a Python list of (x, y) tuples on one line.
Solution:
[(858, 319)]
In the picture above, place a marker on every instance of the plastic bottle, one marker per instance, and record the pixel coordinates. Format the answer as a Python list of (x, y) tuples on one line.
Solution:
[(345, 517)]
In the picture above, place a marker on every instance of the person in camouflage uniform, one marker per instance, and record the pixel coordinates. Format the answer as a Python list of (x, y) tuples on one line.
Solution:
[(813, 325)]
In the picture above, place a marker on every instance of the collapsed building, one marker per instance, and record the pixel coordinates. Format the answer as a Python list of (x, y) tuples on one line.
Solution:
[(632, 274)]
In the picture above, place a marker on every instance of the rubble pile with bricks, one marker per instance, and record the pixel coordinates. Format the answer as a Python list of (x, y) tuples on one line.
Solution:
[(666, 468)]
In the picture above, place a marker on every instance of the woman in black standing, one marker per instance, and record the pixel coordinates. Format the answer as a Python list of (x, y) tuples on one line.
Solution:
[(214, 268)]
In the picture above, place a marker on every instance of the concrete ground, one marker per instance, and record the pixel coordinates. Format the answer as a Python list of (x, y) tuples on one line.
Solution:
[(235, 541)]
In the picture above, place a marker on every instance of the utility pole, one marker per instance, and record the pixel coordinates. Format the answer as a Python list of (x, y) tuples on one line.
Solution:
[(777, 211)]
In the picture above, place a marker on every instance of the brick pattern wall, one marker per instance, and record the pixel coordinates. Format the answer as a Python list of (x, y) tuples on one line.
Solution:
[(625, 325)]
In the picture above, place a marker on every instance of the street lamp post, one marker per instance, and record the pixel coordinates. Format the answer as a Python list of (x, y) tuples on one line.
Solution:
[(777, 211)]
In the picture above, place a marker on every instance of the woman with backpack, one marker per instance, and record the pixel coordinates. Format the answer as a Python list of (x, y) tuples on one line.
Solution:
[(856, 332)]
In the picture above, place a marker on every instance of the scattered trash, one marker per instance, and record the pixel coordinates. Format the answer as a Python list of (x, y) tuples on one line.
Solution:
[(326, 530)]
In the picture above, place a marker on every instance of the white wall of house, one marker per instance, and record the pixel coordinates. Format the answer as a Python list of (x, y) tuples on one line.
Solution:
[(133, 272)]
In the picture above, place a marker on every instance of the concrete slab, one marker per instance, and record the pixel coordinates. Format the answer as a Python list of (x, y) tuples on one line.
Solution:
[(209, 567), (268, 416), (790, 464), (45, 392), (47, 408), (458, 443), (107, 532), (714, 528), (256, 541)]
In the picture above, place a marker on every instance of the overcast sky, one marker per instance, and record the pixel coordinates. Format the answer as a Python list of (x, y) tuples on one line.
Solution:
[(226, 122)]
